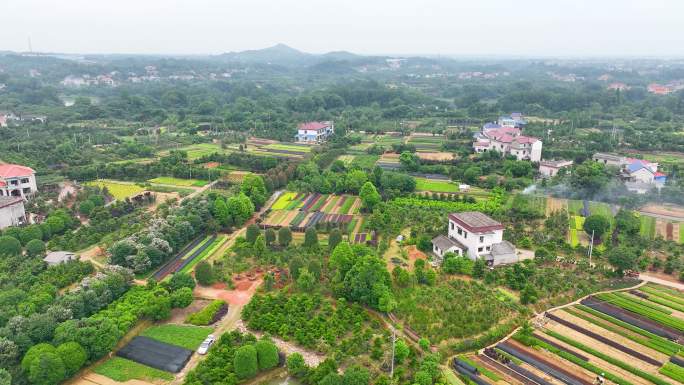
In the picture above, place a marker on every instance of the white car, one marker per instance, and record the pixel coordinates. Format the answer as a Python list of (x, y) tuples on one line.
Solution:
[(206, 344)]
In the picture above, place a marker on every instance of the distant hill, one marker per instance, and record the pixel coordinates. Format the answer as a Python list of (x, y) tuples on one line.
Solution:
[(279, 54)]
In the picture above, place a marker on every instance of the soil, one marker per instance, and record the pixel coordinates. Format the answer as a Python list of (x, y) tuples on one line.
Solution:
[(668, 210), (178, 316), (436, 156), (556, 362)]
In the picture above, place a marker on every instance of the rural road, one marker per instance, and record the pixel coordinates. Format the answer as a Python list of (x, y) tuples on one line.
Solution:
[(649, 278)]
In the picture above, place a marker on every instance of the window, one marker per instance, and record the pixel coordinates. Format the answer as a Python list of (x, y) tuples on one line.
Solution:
[(465, 234), (452, 225), (489, 248), (460, 232), (14, 182), (24, 180), (479, 249), (481, 238), (26, 190)]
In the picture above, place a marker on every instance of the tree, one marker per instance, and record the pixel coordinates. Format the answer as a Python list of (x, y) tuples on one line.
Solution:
[(252, 233), (253, 187), (47, 369), (86, 207), (367, 281), (284, 236), (542, 254), (479, 268), (73, 356), (245, 362), (409, 160), (369, 196), (528, 295), (267, 354), (311, 237), (598, 224), (158, 305), (356, 375), (180, 280), (260, 247), (5, 377), (342, 259), (401, 351), (422, 378), (472, 174), (296, 366), (182, 297), (334, 239), (240, 208), (221, 213), (270, 236), (622, 258), (306, 281), (35, 247), (204, 273), (9, 246), (589, 176), (627, 222)]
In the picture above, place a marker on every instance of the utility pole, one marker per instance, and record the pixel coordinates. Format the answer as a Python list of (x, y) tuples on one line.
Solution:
[(591, 246), (394, 339)]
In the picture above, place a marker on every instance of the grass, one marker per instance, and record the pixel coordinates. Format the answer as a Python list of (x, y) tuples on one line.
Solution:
[(423, 184), (365, 161), (179, 182), (189, 337), (121, 370), (120, 191), (575, 206), (647, 229), (673, 371), (288, 147)]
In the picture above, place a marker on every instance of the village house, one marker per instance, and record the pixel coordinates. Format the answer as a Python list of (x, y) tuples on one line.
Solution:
[(17, 181), (475, 235), (506, 137), (314, 132), (12, 211), (550, 168), (57, 257), (639, 175)]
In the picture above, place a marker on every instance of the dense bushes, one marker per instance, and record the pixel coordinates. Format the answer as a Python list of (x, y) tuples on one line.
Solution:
[(208, 315)]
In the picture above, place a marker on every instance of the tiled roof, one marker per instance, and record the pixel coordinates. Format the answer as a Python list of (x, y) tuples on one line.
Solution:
[(502, 248), (14, 170), (313, 126), (475, 221), (526, 139), (659, 174), (445, 243)]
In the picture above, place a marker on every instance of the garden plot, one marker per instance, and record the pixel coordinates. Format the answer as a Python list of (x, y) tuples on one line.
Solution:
[(185, 257), (166, 180), (389, 161), (433, 185), (300, 211), (436, 156), (555, 204), (425, 143), (118, 190), (346, 159)]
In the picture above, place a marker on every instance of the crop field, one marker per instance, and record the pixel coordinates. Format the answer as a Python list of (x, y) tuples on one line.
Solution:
[(199, 150), (555, 204), (426, 143), (365, 161), (185, 257), (388, 161), (346, 159), (300, 211), (423, 184), (185, 336), (208, 251), (575, 207), (647, 229), (178, 181), (297, 148), (119, 190), (122, 370)]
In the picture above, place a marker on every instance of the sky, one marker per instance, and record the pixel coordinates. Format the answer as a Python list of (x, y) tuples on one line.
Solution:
[(572, 28)]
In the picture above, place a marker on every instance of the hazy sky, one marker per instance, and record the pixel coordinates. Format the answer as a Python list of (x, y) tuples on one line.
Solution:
[(447, 27)]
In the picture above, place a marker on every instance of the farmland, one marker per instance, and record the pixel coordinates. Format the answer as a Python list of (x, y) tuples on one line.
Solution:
[(185, 336), (118, 190), (300, 211), (629, 337), (188, 255), (166, 180), (434, 185), (122, 370), (426, 143)]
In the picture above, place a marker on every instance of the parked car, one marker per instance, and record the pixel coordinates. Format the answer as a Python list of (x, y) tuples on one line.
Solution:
[(206, 344)]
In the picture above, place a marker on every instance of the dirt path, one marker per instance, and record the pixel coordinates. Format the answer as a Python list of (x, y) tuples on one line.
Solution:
[(648, 277), (91, 255)]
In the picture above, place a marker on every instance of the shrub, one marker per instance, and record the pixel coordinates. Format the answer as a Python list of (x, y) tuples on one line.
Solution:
[(284, 236), (35, 247), (252, 233), (181, 298), (267, 354), (73, 355), (206, 316), (245, 362), (180, 280), (9, 246), (204, 273), (296, 366)]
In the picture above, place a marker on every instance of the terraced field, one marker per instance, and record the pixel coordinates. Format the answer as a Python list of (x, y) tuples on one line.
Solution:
[(631, 337)]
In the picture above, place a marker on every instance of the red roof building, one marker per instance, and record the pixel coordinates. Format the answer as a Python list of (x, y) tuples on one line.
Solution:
[(17, 181)]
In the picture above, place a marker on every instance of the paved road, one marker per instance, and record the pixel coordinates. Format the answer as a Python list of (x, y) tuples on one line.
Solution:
[(649, 278)]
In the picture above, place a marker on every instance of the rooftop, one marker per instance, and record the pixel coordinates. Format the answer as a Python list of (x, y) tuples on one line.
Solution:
[(6, 201), (313, 125), (445, 243), (59, 256), (555, 163), (475, 221), (14, 170)]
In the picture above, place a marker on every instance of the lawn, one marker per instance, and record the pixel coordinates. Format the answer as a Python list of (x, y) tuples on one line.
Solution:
[(423, 184), (118, 190), (186, 336), (121, 370), (178, 181)]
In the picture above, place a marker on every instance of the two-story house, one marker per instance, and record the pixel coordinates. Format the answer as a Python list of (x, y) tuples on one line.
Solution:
[(507, 140), (17, 181), (475, 235), (314, 132)]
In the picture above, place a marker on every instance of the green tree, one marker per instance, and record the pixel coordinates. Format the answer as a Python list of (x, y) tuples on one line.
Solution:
[(182, 297), (296, 366), (253, 186), (596, 223), (204, 273), (622, 258), (627, 222), (221, 213), (589, 176), (306, 281), (260, 247), (310, 237), (267, 354), (367, 281), (270, 237), (342, 259), (369, 196), (334, 239), (472, 174), (284, 236), (240, 208), (252, 233), (5, 377), (73, 356), (46, 369), (409, 160), (245, 362), (356, 375), (9, 246), (528, 295), (86, 207), (401, 351), (35, 247), (180, 280)]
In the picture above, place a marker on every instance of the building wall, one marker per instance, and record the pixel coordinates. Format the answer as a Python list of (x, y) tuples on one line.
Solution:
[(609, 162), (642, 175), (441, 252), (476, 243), (535, 155), (21, 187), (547, 171), (12, 215), (504, 259)]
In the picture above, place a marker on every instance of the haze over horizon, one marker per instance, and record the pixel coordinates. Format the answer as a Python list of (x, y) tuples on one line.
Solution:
[(579, 28)]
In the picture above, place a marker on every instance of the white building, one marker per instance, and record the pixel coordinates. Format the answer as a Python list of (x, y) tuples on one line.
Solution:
[(17, 181), (639, 175), (475, 235), (11, 211), (57, 257), (314, 132), (550, 168), (508, 140)]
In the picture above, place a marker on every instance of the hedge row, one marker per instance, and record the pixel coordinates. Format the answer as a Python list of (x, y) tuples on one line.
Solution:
[(206, 316)]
